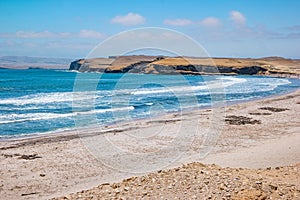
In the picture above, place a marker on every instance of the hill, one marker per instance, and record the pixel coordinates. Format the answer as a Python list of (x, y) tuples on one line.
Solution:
[(189, 65), (25, 62)]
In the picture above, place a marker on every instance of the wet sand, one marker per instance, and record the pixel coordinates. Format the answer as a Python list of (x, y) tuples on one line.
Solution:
[(257, 134)]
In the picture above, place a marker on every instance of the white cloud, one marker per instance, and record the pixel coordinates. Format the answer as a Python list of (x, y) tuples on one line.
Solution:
[(207, 22), (90, 34), (48, 34), (42, 34), (178, 22), (210, 22), (237, 17), (130, 19)]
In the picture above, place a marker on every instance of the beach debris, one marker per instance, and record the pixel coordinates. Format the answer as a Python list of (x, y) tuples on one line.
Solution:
[(27, 194), (10, 155), (240, 120), (20, 156), (272, 109), (259, 113), (29, 157)]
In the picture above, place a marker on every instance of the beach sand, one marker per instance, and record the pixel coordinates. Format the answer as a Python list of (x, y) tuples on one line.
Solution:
[(258, 134)]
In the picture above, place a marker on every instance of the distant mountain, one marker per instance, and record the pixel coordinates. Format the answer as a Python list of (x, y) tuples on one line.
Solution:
[(25, 62)]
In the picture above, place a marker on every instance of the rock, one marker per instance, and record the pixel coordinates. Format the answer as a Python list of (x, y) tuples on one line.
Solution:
[(273, 187), (247, 184), (76, 65), (67, 197)]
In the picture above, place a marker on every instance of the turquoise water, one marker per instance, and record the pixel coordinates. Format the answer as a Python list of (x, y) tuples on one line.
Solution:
[(38, 101)]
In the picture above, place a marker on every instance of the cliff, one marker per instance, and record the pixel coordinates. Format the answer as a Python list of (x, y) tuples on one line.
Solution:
[(189, 65)]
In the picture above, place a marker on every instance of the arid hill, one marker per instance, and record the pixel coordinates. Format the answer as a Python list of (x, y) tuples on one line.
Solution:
[(189, 65), (26, 62)]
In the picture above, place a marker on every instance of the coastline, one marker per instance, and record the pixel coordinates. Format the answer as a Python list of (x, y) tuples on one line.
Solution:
[(70, 130), (63, 164)]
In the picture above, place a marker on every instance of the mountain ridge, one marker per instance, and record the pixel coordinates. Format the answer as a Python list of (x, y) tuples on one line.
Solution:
[(26, 62)]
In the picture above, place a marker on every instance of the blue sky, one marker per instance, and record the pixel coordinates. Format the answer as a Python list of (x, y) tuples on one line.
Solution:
[(231, 28)]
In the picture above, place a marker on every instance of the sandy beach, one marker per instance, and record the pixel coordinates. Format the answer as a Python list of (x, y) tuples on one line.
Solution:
[(249, 137)]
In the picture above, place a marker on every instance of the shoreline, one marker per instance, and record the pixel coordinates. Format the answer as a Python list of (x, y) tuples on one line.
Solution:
[(70, 130), (55, 166)]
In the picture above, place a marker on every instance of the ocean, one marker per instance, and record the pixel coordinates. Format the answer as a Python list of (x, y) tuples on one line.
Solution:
[(38, 101)]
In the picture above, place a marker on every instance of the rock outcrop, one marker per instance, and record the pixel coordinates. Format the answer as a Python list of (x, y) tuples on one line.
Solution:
[(76, 65), (188, 65)]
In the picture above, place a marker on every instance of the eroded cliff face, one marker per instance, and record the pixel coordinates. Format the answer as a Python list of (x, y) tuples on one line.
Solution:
[(180, 65), (76, 65)]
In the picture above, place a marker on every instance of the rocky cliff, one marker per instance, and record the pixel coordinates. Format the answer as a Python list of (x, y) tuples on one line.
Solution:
[(189, 65)]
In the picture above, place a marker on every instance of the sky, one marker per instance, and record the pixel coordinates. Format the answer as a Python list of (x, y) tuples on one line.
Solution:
[(224, 28)]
